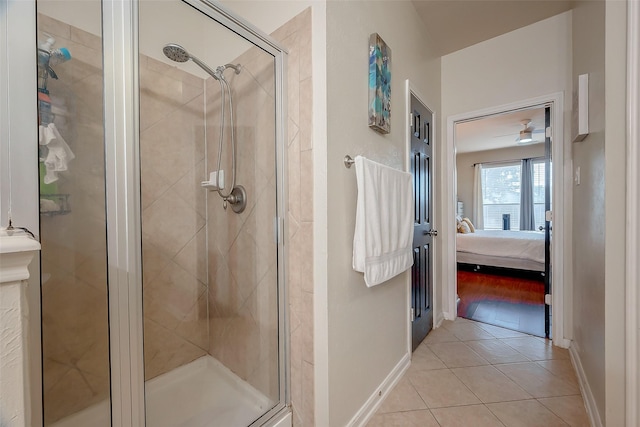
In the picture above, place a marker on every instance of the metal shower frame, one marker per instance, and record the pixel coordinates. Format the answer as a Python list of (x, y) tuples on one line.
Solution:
[(121, 89)]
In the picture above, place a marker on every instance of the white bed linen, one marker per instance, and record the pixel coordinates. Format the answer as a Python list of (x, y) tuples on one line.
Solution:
[(504, 262), (522, 245)]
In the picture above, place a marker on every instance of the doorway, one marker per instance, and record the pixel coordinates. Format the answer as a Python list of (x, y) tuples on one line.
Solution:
[(502, 190), (555, 101), (421, 163)]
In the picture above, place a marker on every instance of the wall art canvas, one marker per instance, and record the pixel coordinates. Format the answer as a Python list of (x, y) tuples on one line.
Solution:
[(379, 84)]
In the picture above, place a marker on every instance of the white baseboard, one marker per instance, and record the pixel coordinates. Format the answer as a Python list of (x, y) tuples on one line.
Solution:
[(372, 404), (438, 320), (562, 342), (587, 395)]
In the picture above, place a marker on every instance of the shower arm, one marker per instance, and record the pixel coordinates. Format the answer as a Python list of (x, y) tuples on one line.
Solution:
[(205, 67)]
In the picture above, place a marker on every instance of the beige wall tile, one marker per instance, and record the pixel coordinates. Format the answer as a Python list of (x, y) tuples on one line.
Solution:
[(171, 296), (53, 26), (165, 350), (306, 114), (308, 394), (189, 189), (170, 223), (306, 185), (90, 40), (70, 394), (193, 256), (152, 185), (295, 197), (194, 327)]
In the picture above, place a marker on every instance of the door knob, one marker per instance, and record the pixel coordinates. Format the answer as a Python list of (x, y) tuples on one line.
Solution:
[(430, 233)]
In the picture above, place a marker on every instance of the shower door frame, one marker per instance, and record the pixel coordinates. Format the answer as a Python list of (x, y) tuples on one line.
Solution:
[(124, 236)]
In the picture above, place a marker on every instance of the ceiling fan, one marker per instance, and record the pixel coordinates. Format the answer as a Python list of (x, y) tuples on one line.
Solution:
[(526, 134)]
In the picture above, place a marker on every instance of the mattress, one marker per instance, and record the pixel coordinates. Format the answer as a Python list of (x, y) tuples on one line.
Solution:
[(510, 249)]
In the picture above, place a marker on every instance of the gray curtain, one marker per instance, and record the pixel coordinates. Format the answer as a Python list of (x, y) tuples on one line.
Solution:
[(527, 218)]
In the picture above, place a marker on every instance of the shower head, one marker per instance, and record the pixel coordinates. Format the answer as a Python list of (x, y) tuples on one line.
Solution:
[(177, 53)]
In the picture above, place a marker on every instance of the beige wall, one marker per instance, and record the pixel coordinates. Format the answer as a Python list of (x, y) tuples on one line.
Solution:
[(489, 74), (599, 206), (465, 171), (367, 327), (589, 203), (615, 220)]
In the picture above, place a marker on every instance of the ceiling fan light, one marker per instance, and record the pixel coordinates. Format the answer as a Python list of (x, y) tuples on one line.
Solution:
[(525, 136)]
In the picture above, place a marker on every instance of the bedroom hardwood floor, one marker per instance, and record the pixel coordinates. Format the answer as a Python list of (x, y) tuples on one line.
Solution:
[(468, 374), (508, 302)]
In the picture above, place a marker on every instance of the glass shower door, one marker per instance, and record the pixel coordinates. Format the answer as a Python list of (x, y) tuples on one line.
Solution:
[(209, 199), (74, 299)]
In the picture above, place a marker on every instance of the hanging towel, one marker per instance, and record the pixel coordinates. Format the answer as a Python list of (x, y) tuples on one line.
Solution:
[(58, 155), (384, 222)]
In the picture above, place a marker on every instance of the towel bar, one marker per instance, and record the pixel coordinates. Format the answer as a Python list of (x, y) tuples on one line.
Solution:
[(348, 161)]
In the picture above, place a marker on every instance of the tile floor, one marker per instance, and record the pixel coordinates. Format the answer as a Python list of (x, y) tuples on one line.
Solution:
[(470, 374), (527, 318)]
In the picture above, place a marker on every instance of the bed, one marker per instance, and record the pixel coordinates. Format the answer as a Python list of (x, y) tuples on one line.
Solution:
[(516, 250)]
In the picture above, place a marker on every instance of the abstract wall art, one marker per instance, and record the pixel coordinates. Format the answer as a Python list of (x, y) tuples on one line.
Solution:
[(379, 84)]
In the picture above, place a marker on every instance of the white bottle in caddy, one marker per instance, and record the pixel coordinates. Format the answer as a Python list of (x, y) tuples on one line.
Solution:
[(216, 181)]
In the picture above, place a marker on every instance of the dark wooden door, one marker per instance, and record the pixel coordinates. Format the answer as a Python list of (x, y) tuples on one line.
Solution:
[(547, 223), (421, 169)]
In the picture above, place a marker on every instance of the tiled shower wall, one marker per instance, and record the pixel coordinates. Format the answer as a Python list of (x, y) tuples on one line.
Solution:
[(243, 298), (243, 269), (296, 37), (172, 153)]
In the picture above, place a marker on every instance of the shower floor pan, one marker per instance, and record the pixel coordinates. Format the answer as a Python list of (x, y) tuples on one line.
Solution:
[(203, 393)]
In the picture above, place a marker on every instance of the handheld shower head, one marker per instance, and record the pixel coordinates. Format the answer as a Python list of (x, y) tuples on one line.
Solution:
[(177, 53)]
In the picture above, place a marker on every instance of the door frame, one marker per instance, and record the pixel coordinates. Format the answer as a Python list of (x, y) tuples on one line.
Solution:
[(632, 291), (410, 89), (561, 258)]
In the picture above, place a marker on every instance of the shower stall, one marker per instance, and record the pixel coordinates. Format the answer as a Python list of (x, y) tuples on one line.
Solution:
[(162, 209)]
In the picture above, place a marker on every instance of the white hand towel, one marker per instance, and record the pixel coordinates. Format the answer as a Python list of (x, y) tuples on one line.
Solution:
[(59, 153), (384, 222)]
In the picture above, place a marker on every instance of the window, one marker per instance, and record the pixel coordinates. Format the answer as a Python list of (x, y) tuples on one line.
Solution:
[(501, 195), (501, 186)]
